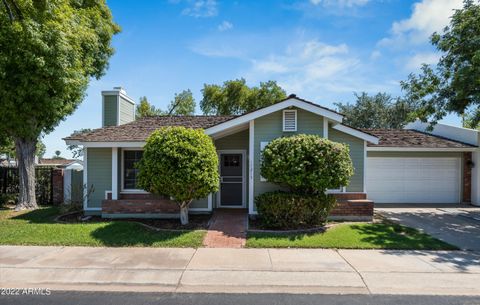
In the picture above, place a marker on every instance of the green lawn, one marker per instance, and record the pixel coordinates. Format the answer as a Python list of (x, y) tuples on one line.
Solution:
[(38, 228), (352, 236)]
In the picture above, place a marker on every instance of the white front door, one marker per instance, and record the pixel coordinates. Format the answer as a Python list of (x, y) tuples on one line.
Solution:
[(232, 179), (413, 180)]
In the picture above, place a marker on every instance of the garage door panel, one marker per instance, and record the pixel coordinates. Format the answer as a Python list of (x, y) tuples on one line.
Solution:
[(413, 180)]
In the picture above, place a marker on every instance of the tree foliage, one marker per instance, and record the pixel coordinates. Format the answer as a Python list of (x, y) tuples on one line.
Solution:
[(377, 111), (145, 109), (183, 104), (181, 163), (453, 84), (77, 151), (307, 164), (235, 97), (49, 52)]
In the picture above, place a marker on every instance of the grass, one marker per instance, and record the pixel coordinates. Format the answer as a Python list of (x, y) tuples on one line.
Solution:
[(39, 228), (353, 236)]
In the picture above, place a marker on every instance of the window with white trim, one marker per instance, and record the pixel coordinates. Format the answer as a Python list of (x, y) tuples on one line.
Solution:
[(262, 147), (289, 120), (130, 171)]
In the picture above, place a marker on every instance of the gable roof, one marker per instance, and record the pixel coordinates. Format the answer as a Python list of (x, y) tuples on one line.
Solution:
[(408, 138), (139, 130), (291, 101)]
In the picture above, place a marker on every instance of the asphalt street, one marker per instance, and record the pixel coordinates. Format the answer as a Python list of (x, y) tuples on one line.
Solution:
[(118, 298)]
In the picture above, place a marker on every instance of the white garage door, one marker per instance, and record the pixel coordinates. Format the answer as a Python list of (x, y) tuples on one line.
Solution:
[(413, 180)]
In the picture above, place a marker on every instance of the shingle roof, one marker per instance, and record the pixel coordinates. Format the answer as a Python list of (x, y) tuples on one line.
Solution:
[(53, 161), (412, 139), (139, 130)]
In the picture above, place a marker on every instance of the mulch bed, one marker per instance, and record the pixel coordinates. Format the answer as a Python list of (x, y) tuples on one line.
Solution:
[(196, 221)]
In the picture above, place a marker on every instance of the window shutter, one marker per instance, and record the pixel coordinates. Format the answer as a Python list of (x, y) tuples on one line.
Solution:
[(290, 120)]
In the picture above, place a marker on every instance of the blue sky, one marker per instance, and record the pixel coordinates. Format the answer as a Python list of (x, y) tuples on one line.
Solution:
[(321, 50)]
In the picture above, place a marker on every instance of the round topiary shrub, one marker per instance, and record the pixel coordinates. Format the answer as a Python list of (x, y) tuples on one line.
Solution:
[(180, 163), (282, 210), (307, 164)]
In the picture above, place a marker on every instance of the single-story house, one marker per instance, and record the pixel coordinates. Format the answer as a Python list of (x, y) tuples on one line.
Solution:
[(397, 166)]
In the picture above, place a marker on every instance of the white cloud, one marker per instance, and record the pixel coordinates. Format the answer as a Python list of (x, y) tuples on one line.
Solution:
[(375, 54), (416, 61), (314, 68), (201, 8), (340, 3), (428, 16), (225, 26)]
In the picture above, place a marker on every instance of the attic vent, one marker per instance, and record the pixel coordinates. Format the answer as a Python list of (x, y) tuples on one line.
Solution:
[(289, 120)]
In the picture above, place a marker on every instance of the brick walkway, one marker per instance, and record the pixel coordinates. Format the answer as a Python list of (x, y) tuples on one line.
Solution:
[(227, 230)]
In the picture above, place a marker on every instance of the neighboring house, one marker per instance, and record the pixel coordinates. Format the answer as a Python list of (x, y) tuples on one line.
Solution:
[(58, 162), (397, 166)]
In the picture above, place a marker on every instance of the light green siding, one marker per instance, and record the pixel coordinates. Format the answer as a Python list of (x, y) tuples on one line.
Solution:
[(199, 203), (236, 141), (127, 111), (357, 154), (110, 113), (99, 174), (268, 128)]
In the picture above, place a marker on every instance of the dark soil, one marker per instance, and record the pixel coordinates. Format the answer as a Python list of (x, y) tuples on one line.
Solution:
[(196, 222)]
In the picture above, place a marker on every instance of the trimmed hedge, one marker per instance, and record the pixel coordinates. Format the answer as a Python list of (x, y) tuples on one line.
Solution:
[(307, 164), (282, 210)]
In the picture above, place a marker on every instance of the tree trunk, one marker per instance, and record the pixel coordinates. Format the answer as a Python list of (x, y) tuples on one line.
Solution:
[(184, 215), (26, 169)]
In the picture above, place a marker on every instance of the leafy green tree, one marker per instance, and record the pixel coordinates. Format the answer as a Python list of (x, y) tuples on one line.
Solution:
[(307, 164), (453, 84), (180, 163), (145, 109), (377, 111), (235, 97), (183, 104), (77, 151), (7, 146), (58, 155), (49, 52)]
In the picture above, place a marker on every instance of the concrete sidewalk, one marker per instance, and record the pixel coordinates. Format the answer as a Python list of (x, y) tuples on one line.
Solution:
[(241, 270)]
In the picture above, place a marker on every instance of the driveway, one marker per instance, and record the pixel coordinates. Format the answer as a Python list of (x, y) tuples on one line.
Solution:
[(458, 225)]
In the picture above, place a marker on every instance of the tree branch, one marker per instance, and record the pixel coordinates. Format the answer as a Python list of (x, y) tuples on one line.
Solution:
[(9, 11)]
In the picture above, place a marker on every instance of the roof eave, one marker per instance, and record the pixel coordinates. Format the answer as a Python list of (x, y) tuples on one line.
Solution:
[(420, 149)]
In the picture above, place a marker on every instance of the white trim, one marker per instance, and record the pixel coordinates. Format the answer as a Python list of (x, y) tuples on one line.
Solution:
[(210, 202), (119, 92), (364, 166), (291, 102), (243, 152), (283, 119), (325, 128), (118, 110), (85, 179), (356, 133), (251, 151), (340, 190), (420, 149), (92, 209), (122, 164), (114, 173), (106, 194)]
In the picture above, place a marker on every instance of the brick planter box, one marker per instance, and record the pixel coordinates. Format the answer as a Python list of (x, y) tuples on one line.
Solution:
[(352, 206)]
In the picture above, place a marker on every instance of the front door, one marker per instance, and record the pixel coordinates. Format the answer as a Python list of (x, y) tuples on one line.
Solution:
[(231, 180)]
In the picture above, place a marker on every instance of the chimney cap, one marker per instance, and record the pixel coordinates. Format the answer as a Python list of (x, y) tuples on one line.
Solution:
[(120, 88)]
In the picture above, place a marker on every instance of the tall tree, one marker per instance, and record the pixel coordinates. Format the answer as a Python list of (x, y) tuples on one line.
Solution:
[(235, 97), (49, 52), (58, 155), (377, 111), (145, 109), (453, 84), (183, 104)]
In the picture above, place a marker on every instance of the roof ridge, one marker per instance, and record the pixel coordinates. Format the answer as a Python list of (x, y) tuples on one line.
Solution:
[(441, 137)]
